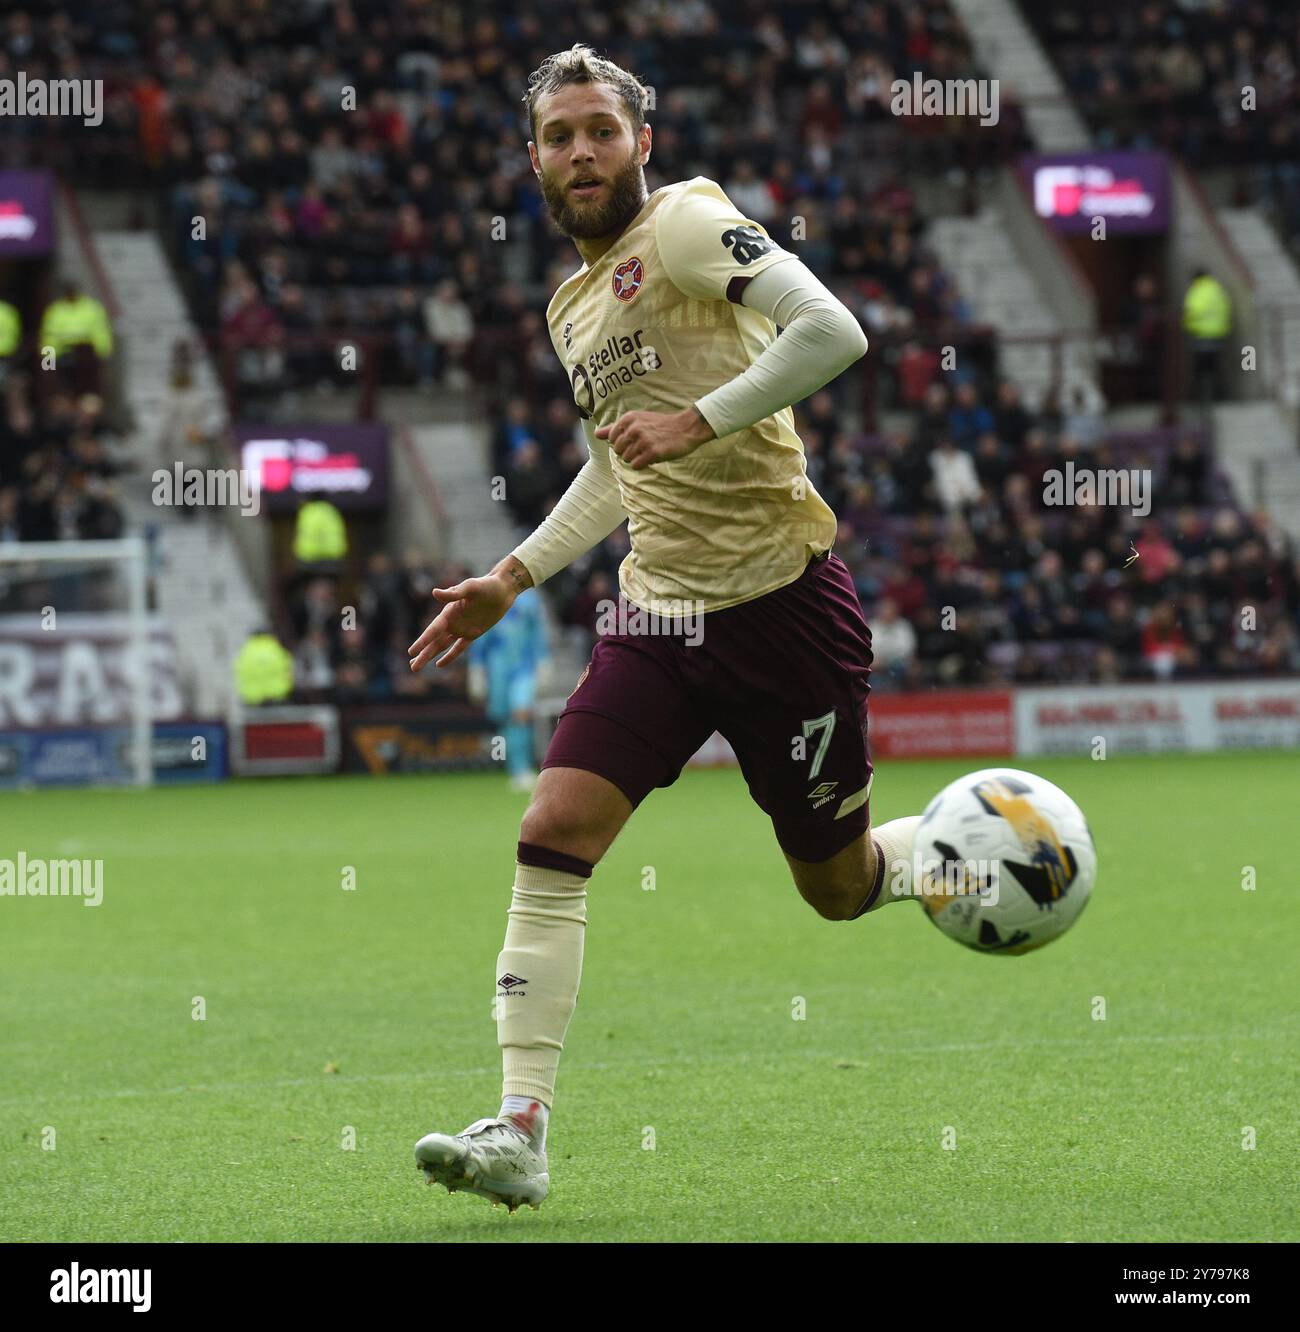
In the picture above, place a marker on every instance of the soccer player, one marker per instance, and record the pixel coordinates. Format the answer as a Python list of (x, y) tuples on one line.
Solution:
[(668, 332)]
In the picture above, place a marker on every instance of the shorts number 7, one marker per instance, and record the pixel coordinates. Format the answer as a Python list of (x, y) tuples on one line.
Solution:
[(826, 725)]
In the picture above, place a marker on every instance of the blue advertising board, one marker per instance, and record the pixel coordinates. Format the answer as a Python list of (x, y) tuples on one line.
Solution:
[(183, 752)]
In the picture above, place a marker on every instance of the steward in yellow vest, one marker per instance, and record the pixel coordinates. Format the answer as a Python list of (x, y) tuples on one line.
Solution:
[(1207, 308), (76, 320), (11, 329), (263, 671), (319, 533)]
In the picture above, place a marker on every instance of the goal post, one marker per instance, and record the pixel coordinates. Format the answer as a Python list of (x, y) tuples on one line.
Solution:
[(75, 663)]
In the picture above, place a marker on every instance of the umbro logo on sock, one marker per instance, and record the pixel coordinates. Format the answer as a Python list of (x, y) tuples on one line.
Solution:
[(509, 981)]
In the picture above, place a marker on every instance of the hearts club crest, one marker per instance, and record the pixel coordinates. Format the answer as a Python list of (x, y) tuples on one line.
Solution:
[(628, 277)]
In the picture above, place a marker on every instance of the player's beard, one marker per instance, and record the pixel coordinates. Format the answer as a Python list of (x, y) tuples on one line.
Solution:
[(624, 198)]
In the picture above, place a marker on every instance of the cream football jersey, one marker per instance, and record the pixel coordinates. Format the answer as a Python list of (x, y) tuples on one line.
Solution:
[(648, 327)]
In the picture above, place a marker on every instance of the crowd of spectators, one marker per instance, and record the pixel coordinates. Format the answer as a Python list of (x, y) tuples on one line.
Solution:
[(354, 174), (1215, 81), (1174, 74), (348, 636), (59, 464), (968, 569), (335, 174)]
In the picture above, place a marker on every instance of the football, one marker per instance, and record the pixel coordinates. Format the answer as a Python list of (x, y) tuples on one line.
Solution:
[(1004, 861)]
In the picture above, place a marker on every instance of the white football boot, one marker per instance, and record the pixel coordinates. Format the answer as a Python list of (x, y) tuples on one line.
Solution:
[(492, 1158)]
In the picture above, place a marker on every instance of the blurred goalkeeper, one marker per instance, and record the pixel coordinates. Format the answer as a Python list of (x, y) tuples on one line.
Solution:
[(503, 668)]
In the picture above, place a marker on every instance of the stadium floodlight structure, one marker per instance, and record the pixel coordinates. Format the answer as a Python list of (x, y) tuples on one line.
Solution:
[(75, 659)]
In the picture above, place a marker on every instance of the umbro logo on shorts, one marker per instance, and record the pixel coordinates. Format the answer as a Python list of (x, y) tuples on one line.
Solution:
[(509, 981), (821, 793)]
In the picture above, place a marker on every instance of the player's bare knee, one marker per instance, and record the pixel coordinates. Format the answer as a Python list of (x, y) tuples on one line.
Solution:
[(561, 825), (547, 823), (575, 812)]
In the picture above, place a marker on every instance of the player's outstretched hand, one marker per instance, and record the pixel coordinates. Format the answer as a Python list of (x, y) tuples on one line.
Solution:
[(644, 438), (469, 610)]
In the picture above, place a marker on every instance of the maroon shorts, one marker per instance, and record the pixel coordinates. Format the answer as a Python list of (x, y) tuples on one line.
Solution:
[(783, 678)]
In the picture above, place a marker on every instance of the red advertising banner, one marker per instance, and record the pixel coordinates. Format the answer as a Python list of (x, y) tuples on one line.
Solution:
[(947, 724), (273, 741)]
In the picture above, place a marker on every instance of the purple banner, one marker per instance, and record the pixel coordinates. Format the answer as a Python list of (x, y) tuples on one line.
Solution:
[(1129, 190), (26, 214), (345, 464)]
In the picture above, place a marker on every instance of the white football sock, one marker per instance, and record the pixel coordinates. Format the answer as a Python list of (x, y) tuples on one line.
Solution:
[(538, 971), (896, 841)]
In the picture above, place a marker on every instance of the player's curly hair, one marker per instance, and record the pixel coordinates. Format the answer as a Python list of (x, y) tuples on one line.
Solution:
[(580, 64)]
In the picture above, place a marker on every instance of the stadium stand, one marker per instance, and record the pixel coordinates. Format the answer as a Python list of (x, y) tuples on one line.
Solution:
[(1045, 584), (297, 224), (1177, 76)]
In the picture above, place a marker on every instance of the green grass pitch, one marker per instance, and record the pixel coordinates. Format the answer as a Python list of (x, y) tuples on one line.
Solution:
[(691, 1105)]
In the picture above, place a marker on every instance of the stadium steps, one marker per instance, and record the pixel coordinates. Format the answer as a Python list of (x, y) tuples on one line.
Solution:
[(1256, 447), (480, 530), (204, 593), (151, 318), (1257, 442), (1008, 49), (1000, 290), (1277, 299), (199, 579)]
